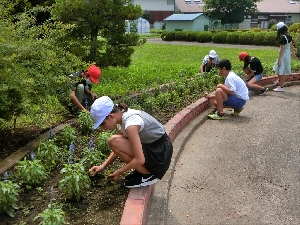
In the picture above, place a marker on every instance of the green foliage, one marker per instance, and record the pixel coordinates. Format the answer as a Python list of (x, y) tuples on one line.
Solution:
[(30, 172), (102, 143), (91, 157), (49, 154), (204, 36), (146, 15), (104, 19), (295, 27), (8, 197), (51, 216), (33, 55), (233, 37), (246, 38), (296, 42), (220, 37), (66, 137), (229, 11), (272, 23), (85, 122), (75, 182)]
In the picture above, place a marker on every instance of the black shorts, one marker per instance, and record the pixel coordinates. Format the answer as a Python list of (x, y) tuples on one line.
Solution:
[(158, 156)]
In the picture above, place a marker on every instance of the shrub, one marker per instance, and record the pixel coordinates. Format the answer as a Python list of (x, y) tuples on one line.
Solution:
[(191, 36), (246, 38), (233, 37), (205, 36), (220, 37), (295, 27)]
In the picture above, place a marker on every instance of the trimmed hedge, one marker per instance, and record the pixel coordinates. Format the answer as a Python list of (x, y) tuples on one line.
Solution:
[(242, 37)]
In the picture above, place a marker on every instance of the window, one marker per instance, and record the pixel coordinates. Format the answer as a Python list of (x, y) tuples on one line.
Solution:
[(253, 20), (263, 17)]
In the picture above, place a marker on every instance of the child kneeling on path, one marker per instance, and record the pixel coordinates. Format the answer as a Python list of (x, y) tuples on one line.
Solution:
[(254, 73), (141, 143), (232, 94)]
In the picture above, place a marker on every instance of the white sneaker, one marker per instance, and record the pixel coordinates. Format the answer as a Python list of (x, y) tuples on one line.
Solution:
[(278, 89), (276, 82)]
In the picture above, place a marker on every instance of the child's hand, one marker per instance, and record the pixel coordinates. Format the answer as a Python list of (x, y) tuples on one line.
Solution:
[(116, 175), (95, 169), (206, 95)]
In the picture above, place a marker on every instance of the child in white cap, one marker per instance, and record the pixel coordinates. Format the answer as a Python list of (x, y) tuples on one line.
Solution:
[(141, 143), (283, 64), (209, 61)]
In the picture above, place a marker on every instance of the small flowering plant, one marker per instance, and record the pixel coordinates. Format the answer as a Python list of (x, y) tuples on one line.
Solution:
[(8, 197), (85, 122), (30, 172), (75, 182), (53, 215)]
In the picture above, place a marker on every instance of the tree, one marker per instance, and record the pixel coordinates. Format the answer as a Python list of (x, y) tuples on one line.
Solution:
[(32, 67), (100, 28), (229, 11)]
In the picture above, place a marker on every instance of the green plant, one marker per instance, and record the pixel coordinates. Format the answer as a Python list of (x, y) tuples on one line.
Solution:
[(30, 172), (8, 197), (51, 216), (49, 154), (75, 182), (66, 137), (91, 157), (102, 143), (85, 122)]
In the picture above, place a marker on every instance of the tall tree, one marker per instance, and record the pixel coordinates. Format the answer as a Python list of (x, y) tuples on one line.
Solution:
[(229, 11), (100, 27)]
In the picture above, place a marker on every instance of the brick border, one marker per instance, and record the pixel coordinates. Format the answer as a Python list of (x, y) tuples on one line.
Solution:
[(135, 209)]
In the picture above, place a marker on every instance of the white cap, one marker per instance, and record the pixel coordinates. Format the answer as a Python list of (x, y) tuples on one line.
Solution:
[(212, 54), (100, 110), (280, 25)]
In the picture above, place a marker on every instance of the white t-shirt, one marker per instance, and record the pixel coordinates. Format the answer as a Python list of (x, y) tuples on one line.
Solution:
[(237, 85), (131, 117), (206, 58)]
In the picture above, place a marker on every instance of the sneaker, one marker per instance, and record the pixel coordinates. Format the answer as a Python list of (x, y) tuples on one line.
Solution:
[(276, 82), (237, 112), (278, 89), (217, 116), (131, 175), (262, 92), (213, 112), (141, 180)]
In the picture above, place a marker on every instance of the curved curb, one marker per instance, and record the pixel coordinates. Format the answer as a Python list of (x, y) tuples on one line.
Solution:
[(135, 209)]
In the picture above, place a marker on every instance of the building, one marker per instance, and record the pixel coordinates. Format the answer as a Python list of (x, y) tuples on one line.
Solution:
[(279, 10), (158, 9), (190, 22)]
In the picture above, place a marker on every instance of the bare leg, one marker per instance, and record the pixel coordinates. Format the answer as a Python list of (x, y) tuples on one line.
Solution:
[(281, 80), (122, 148), (251, 84)]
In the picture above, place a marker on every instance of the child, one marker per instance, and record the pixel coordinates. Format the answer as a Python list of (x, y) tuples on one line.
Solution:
[(283, 63), (232, 94), (209, 61), (254, 73), (141, 143)]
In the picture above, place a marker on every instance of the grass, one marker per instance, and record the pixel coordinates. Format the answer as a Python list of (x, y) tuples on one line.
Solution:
[(154, 64)]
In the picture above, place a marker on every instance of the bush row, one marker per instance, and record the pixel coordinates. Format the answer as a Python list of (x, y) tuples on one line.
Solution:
[(253, 37)]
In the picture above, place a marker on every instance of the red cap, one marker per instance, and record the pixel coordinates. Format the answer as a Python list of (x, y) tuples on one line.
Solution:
[(94, 73), (243, 55)]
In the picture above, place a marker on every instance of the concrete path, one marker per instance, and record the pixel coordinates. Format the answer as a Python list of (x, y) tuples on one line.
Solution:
[(241, 170)]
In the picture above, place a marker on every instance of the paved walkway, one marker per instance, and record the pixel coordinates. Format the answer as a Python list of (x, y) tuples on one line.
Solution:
[(241, 170)]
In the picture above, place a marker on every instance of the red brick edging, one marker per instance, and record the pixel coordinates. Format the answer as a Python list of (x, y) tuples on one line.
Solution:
[(136, 205)]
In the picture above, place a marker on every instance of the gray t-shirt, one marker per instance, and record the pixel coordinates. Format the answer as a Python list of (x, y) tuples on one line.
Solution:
[(150, 131)]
